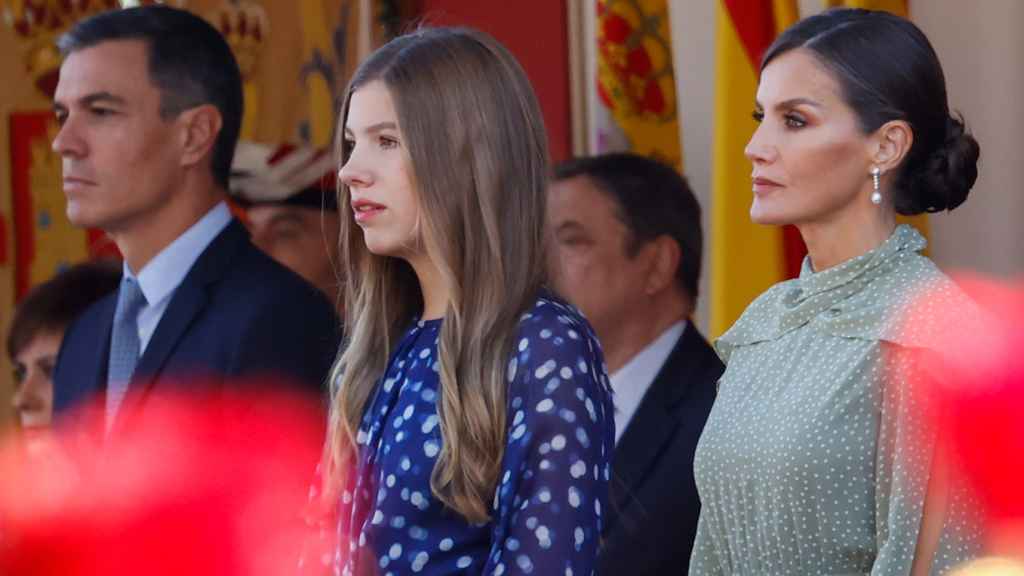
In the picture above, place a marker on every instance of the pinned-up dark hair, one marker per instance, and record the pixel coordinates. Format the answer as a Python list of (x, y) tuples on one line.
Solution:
[(887, 70)]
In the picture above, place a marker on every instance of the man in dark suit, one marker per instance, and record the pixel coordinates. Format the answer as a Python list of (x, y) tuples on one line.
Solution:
[(150, 103), (627, 252)]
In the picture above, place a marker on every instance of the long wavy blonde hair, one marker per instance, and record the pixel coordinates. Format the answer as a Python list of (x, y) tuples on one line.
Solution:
[(475, 137)]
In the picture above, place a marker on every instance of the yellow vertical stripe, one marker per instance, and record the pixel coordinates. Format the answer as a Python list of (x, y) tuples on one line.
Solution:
[(745, 258), (251, 110), (786, 12), (898, 7), (316, 38)]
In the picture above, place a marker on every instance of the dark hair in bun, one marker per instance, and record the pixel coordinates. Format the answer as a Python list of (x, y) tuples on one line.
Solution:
[(887, 70)]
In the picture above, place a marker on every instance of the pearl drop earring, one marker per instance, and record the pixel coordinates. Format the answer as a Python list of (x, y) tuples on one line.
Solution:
[(876, 196)]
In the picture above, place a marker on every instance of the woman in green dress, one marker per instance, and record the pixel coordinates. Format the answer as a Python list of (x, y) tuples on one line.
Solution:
[(813, 460)]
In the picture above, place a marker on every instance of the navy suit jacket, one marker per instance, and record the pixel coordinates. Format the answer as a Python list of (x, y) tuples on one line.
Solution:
[(652, 517), (237, 315)]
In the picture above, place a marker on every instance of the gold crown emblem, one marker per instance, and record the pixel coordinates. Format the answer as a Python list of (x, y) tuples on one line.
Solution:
[(245, 27), (38, 24)]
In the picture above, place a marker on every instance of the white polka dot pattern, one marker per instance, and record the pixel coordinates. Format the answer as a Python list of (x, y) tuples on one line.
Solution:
[(813, 459), (546, 509)]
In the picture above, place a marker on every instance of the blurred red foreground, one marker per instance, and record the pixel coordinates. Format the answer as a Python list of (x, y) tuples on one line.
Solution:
[(977, 389), (207, 484)]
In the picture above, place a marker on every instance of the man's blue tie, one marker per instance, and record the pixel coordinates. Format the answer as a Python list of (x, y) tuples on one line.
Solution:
[(124, 345)]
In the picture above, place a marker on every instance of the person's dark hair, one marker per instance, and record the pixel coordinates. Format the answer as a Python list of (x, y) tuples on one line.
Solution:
[(53, 305), (887, 70), (189, 61), (652, 200)]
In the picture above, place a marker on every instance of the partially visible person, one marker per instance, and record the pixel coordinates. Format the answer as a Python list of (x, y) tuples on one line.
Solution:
[(816, 458), (627, 242), (291, 208), (471, 428), (37, 329), (149, 104)]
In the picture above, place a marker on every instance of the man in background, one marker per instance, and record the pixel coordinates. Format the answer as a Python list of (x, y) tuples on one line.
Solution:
[(291, 209), (627, 243)]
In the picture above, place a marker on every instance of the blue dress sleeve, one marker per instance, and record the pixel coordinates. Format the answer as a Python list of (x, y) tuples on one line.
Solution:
[(553, 487)]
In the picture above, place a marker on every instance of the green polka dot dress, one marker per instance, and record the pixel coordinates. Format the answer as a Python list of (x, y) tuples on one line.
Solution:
[(812, 460)]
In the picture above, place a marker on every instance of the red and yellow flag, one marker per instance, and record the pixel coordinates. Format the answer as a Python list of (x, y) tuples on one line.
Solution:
[(636, 81), (746, 258)]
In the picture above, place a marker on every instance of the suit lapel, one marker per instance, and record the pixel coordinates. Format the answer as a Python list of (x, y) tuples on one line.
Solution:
[(94, 362), (186, 305), (654, 421)]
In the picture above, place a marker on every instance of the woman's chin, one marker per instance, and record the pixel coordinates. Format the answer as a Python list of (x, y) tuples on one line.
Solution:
[(759, 215), (378, 246)]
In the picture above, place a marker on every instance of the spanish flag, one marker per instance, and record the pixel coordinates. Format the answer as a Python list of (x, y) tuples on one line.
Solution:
[(746, 258)]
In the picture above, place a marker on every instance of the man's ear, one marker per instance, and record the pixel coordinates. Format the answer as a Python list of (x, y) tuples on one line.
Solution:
[(664, 264), (200, 127)]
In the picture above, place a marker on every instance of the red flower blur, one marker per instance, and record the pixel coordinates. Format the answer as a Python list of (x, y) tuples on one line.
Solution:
[(977, 390), (202, 484)]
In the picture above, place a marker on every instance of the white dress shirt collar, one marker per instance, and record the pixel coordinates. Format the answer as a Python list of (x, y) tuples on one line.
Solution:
[(162, 275), (631, 382)]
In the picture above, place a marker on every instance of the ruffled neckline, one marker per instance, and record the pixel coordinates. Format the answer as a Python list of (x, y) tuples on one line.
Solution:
[(813, 293), (857, 298)]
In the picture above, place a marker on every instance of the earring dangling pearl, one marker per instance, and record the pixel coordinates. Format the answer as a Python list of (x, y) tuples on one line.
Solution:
[(876, 196)]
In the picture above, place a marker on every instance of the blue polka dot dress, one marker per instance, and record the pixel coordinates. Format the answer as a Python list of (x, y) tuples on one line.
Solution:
[(547, 508)]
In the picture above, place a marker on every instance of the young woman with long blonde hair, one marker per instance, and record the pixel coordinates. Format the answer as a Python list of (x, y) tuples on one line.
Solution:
[(471, 425)]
